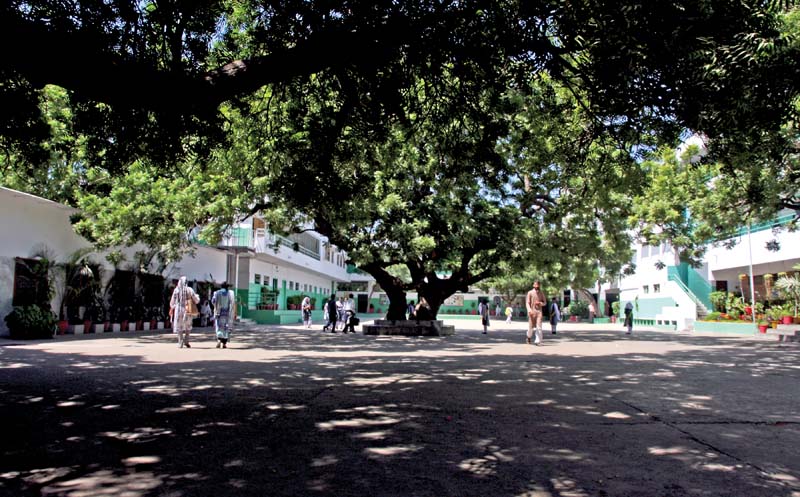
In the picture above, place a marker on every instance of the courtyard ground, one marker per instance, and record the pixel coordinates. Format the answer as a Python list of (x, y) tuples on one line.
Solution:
[(287, 411)]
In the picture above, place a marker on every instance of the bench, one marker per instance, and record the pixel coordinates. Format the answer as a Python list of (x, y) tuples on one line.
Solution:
[(786, 332)]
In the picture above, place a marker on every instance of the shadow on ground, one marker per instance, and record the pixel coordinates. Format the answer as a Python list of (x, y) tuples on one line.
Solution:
[(295, 412)]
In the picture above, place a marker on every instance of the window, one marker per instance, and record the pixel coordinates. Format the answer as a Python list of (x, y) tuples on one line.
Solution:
[(257, 279), (31, 282), (657, 288), (645, 251), (646, 289)]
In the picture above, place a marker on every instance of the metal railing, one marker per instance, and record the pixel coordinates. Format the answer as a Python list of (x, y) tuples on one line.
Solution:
[(674, 275), (262, 241)]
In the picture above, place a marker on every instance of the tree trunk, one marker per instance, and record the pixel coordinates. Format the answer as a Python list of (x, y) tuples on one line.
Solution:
[(393, 287)]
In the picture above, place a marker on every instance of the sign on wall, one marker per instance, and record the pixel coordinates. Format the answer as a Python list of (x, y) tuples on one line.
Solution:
[(456, 300)]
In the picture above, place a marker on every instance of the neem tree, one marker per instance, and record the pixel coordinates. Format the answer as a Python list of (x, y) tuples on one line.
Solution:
[(449, 136)]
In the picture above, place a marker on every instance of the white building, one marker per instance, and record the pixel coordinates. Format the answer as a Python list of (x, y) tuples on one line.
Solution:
[(261, 266), (675, 295)]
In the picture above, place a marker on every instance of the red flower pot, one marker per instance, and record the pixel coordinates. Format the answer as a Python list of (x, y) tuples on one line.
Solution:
[(787, 320), (62, 327), (762, 328)]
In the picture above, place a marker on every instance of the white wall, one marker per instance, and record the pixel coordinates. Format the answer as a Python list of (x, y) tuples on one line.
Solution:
[(719, 258), (206, 264)]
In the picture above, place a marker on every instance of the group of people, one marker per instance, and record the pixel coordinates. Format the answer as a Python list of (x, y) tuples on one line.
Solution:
[(535, 303), (536, 306), (340, 315), (183, 310)]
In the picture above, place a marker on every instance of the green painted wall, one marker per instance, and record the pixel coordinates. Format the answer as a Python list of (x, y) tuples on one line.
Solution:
[(723, 327), (648, 307)]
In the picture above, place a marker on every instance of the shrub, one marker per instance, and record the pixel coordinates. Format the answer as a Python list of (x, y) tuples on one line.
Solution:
[(31, 322), (579, 308), (713, 316), (718, 300)]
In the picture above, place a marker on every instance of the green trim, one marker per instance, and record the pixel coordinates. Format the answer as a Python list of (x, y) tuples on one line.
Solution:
[(766, 225), (723, 327)]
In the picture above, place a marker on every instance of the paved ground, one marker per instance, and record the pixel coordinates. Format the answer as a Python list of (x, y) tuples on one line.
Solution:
[(290, 411)]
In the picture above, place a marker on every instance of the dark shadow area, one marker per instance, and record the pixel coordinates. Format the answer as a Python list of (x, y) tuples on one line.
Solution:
[(353, 415)]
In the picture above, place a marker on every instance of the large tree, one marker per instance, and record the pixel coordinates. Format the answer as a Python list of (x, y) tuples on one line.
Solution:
[(406, 132)]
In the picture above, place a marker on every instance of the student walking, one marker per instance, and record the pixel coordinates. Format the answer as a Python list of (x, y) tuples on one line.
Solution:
[(333, 315), (628, 318), (555, 315), (205, 313), (534, 302), (183, 307), (340, 312), (349, 314), (306, 307), (483, 311), (224, 306), (509, 313)]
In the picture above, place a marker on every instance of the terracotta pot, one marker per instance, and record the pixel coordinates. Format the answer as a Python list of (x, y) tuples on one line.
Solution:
[(87, 326), (62, 326), (797, 320), (773, 324), (762, 328), (124, 325)]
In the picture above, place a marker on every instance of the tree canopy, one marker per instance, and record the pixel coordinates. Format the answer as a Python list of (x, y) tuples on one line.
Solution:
[(446, 136)]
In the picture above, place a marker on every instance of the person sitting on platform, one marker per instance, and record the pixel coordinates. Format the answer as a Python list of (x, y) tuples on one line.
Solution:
[(423, 310)]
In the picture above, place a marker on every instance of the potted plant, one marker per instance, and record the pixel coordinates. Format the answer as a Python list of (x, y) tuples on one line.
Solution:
[(31, 322), (154, 311), (124, 318), (773, 315), (788, 287), (762, 326)]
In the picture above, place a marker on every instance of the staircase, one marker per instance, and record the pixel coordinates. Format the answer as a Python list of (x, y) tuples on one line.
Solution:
[(702, 304), (702, 312)]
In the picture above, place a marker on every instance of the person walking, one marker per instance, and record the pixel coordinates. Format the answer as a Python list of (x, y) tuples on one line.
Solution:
[(534, 302), (183, 306), (224, 305), (349, 314), (498, 310), (410, 310), (555, 315), (629, 318), (205, 313), (592, 312), (509, 313), (483, 311), (340, 312), (333, 314), (306, 308)]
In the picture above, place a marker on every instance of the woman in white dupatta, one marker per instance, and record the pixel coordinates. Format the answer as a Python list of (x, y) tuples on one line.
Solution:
[(181, 318)]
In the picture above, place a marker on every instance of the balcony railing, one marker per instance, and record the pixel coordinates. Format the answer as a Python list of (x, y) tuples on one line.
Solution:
[(263, 242)]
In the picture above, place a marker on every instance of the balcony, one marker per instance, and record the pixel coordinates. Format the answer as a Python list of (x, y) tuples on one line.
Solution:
[(261, 241)]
